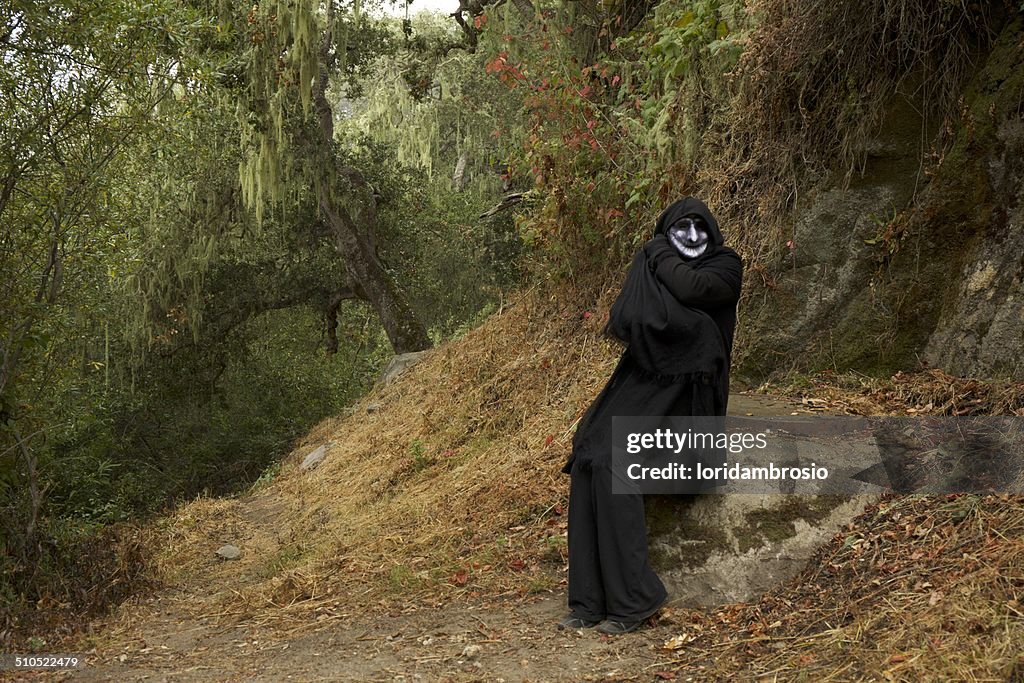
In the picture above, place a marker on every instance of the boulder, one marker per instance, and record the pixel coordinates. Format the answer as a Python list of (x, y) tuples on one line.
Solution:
[(314, 458), (400, 364)]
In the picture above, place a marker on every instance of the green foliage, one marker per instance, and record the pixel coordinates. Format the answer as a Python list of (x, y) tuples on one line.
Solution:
[(606, 140), (434, 105), (164, 288), (739, 103), (80, 84), (279, 67), (691, 47), (419, 457), (426, 107), (453, 264), (683, 33)]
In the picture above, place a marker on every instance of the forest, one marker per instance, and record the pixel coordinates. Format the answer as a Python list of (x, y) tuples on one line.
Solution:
[(301, 303)]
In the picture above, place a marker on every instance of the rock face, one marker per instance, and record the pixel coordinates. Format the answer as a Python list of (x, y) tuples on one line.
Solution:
[(718, 549), (981, 327), (915, 260)]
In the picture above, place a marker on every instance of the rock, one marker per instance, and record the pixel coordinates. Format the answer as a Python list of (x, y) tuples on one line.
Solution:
[(314, 458), (720, 548), (373, 408), (892, 267), (471, 651), (400, 364), (822, 287), (229, 552), (715, 549)]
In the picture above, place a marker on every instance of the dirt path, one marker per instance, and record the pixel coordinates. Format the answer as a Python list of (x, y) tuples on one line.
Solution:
[(510, 642)]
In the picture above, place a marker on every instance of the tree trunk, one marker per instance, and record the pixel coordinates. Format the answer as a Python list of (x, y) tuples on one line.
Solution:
[(354, 238), (404, 330)]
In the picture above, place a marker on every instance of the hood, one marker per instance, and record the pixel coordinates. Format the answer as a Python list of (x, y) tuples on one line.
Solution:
[(689, 206)]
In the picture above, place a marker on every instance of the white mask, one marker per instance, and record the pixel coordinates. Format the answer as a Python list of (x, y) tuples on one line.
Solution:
[(689, 238)]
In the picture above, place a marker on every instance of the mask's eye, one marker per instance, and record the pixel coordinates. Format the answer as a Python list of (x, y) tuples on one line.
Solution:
[(685, 224), (697, 222)]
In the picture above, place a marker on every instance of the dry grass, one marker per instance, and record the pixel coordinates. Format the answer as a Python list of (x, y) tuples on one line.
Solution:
[(445, 483), (812, 86), (926, 392), (917, 589)]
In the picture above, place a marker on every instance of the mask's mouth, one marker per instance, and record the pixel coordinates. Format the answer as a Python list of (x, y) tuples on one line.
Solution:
[(689, 237)]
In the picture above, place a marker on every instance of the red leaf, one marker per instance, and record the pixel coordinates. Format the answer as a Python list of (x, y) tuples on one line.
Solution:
[(548, 440), (586, 315), (460, 578), (665, 675)]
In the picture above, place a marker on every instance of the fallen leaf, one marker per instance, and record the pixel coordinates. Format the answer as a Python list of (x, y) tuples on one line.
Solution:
[(676, 642)]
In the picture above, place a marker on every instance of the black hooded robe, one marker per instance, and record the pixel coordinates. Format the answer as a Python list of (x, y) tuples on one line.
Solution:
[(677, 319)]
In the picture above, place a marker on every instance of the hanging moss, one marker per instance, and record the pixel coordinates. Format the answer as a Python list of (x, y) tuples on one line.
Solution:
[(283, 62)]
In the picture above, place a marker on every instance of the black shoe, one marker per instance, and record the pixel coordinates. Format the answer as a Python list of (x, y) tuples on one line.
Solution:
[(617, 628), (571, 622)]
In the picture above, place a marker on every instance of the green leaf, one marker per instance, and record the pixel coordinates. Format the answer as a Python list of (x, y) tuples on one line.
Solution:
[(686, 19)]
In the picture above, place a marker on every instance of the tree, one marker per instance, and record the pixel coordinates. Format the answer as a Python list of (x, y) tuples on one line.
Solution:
[(79, 82), (289, 51)]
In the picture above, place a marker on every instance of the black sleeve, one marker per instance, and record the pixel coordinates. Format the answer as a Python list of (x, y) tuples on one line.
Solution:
[(658, 249), (716, 285)]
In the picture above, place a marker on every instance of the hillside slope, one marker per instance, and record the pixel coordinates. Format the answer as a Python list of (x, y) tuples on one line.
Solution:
[(430, 542)]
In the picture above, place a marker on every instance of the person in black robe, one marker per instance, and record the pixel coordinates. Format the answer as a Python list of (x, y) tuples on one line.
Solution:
[(676, 314)]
